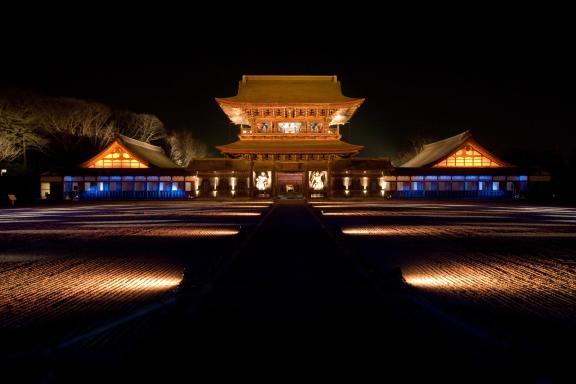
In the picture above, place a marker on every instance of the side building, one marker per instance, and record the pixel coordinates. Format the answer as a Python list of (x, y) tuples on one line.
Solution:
[(458, 167), (127, 169)]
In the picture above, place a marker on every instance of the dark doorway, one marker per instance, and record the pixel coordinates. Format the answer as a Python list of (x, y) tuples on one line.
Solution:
[(290, 184)]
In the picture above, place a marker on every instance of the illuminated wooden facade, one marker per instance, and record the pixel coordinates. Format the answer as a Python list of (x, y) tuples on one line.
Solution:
[(289, 131), (289, 118), (115, 156), (468, 157), (459, 151), (126, 169), (289, 145), (457, 167)]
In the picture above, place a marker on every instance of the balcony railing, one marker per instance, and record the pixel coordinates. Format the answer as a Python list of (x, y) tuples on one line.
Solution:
[(290, 136)]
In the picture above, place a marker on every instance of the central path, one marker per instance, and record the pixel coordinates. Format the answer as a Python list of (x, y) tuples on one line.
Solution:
[(291, 273), (293, 303)]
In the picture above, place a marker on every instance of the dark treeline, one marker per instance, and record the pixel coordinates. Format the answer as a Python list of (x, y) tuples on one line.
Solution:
[(38, 132)]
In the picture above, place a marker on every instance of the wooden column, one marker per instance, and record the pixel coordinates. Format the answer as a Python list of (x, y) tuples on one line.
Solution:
[(329, 178), (274, 177), (251, 179), (305, 190)]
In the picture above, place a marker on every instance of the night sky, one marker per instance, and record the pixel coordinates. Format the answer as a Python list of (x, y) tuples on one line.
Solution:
[(518, 100)]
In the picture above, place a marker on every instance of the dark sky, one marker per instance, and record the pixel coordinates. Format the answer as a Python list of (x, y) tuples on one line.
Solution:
[(517, 96)]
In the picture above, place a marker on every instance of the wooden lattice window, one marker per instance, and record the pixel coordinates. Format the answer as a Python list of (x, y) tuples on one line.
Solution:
[(467, 157), (117, 158)]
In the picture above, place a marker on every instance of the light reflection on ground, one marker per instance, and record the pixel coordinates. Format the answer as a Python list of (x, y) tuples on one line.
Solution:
[(41, 278), (508, 258), (494, 230), (50, 288)]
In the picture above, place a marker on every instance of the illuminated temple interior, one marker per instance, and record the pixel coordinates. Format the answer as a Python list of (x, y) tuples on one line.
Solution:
[(289, 144)]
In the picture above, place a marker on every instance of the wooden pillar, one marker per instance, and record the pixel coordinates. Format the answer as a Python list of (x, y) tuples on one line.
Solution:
[(251, 179), (305, 190), (274, 177), (329, 177)]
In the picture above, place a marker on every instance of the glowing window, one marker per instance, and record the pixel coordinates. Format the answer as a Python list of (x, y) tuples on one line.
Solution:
[(317, 180), (467, 157), (117, 158), (44, 190), (315, 127), (263, 127), (289, 127)]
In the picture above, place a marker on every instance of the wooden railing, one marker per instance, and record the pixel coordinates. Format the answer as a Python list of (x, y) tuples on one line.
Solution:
[(290, 136)]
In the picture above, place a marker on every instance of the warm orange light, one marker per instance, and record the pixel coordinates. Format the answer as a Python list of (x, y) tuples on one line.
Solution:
[(115, 157), (190, 232), (356, 213), (512, 275), (368, 231), (425, 281), (53, 286), (457, 278), (467, 157), (222, 213), (490, 230), (542, 286), (151, 230), (141, 283), (414, 213)]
